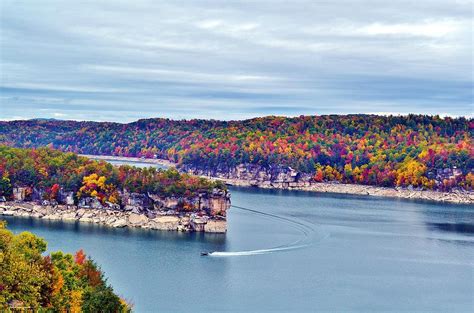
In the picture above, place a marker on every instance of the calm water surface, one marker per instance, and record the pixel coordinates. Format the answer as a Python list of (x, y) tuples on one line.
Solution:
[(318, 253)]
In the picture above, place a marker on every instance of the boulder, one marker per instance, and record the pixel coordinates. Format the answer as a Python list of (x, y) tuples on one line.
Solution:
[(137, 219), (88, 215), (119, 223), (69, 216), (28, 207), (80, 212)]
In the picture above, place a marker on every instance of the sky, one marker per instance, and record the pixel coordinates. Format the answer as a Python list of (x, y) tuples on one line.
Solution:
[(126, 60)]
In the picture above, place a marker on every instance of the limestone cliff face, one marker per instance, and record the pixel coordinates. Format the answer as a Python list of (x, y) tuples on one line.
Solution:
[(215, 203), (287, 178), (255, 175), (215, 226), (218, 206), (138, 210)]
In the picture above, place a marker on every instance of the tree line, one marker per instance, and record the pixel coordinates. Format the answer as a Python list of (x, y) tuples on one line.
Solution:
[(362, 149), (51, 171)]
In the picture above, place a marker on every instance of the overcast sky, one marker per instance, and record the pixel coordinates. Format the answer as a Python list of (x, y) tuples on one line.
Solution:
[(125, 60)]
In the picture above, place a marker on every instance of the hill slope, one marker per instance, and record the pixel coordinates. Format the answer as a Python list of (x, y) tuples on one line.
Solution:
[(417, 150)]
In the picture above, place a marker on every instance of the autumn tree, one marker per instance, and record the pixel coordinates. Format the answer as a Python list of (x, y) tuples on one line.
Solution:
[(56, 283), (6, 188), (95, 186)]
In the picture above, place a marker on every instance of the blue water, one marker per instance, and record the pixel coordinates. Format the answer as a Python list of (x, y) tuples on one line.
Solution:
[(312, 252)]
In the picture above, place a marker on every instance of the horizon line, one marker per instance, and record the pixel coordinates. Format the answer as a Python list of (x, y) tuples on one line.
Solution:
[(442, 116)]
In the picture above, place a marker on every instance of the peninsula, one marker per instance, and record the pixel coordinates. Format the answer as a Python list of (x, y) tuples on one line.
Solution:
[(49, 184)]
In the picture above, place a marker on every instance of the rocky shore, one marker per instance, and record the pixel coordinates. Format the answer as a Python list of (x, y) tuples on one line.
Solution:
[(201, 212), (115, 218), (455, 196), (291, 180)]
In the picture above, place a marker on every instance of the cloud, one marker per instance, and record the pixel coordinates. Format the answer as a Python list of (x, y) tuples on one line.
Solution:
[(59, 115), (428, 29), (61, 88), (123, 61), (179, 75)]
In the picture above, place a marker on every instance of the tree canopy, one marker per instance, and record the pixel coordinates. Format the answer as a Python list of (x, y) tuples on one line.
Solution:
[(52, 170), (58, 282), (367, 149)]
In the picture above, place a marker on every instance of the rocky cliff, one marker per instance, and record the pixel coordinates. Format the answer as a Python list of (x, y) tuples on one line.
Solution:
[(288, 178), (202, 212), (255, 175)]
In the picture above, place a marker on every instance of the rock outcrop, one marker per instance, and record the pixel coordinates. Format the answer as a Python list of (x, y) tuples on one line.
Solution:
[(288, 178), (215, 226), (115, 218), (151, 211)]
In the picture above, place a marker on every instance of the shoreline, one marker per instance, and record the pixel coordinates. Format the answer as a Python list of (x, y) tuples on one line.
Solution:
[(111, 218), (456, 196)]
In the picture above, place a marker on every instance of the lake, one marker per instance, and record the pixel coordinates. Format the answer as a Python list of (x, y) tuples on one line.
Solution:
[(290, 251)]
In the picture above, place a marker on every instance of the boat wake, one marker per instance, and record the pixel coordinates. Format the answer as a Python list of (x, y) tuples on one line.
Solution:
[(308, 238), (254, 252)]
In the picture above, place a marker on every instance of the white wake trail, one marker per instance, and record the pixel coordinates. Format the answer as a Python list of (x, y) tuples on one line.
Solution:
[(255, 252), (306, 241)]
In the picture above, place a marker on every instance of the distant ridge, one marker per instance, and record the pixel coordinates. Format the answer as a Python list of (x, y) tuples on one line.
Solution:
[(420, 151)]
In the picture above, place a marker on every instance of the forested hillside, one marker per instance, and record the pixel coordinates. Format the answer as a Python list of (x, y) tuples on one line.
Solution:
[(417, 150), (51, 171)]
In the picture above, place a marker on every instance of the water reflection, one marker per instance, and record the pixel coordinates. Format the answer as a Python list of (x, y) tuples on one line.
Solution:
[(217, 240), (460, 228)]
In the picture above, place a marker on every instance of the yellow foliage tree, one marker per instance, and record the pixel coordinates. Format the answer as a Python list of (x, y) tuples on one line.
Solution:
[(470, 180), (410, 173), (76, 301), (96, 186)]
